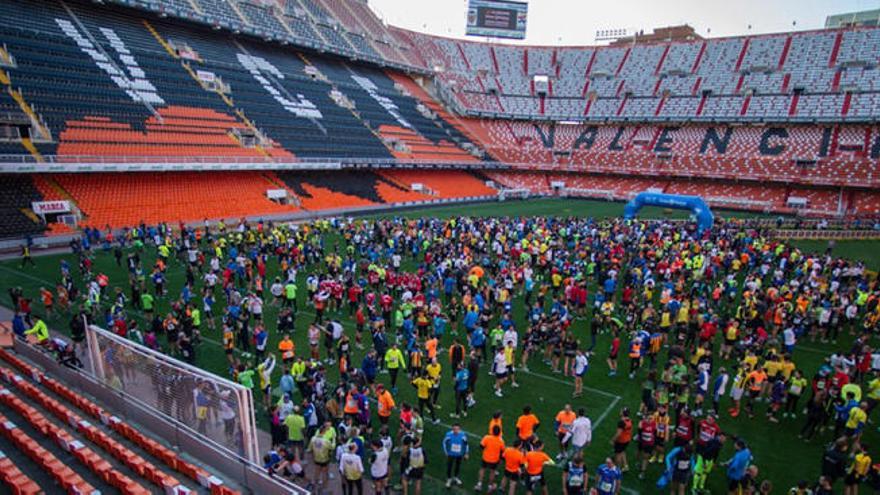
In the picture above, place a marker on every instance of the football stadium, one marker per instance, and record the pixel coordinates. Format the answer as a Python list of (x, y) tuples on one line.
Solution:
[(350, 246)]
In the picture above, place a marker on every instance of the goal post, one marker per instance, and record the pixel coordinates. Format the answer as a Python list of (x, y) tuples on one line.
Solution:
[(217, 408)]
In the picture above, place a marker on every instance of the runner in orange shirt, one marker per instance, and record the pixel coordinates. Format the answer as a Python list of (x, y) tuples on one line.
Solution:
[(622, 438), (48, 299), (493, 447), (498, 421), (526, 425), (564, 419), (514, 458), (535, 461), (386, 404)]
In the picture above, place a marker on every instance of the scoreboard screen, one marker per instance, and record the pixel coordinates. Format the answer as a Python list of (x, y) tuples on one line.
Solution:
[(497, 19)]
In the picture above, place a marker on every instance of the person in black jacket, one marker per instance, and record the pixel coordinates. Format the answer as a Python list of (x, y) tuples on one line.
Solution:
[(78, 328), (834, 460)]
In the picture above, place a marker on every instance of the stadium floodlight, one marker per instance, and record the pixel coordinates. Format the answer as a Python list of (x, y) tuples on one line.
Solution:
[(220, 410), (612, 34)]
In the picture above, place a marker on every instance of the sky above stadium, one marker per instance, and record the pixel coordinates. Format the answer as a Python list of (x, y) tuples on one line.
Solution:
[(575, 22)]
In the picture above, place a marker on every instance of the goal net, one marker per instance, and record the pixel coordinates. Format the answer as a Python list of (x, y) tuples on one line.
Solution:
[(217, 408)]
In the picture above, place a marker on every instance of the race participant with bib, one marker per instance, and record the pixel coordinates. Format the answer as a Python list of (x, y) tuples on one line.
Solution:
[(455, 446), (513, 463), (535, 461), (574, 477), (608, 478)]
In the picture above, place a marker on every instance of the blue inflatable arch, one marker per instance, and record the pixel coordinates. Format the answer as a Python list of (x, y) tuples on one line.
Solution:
[(680, 202)]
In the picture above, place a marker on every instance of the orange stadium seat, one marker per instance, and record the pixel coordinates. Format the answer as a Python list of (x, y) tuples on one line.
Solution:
[(118, 199), (443, 184)]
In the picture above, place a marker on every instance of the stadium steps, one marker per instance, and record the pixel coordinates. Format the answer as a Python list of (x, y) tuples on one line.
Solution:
[(275, 180), (422, 95), (17, 473), (123, 455), (160, 39), (29, 145), (280, 18), (314, 21), (36, 121), (195, 6), (35, 409), (116, 431), (239, 13), (60, 464)]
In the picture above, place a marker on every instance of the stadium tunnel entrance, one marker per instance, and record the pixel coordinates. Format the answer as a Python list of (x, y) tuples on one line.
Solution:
[(695, 204)]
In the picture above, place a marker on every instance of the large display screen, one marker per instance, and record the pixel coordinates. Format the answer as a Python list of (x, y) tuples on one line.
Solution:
[(497, 19)]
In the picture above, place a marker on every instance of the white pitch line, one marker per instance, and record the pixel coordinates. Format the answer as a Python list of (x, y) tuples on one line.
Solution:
[(616, 398), (565, 382), (606, 412)]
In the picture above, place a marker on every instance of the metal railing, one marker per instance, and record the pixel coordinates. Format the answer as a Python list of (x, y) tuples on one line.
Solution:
[(604, 163)]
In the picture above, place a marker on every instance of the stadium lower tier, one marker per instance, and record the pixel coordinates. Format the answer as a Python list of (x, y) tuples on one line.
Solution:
[(55, 441), (125, 199)]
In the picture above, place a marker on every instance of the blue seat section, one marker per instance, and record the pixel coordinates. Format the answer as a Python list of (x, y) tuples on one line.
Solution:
[(172, 82), (56, 77), (337, 132), (112, 67), (344, 74), (358, 183)]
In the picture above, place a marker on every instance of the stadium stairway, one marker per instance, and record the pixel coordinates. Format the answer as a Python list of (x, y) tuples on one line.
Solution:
[(132, 462), (416, 91)]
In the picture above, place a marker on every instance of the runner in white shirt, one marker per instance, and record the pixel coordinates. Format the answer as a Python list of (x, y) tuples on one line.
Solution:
[(379, 461), (499, 367), (277, 289), (352, 469), (510, 336), (581, 433), (579, 367)]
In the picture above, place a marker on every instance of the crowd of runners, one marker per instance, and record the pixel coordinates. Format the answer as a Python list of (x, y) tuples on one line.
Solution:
[(708, 325)]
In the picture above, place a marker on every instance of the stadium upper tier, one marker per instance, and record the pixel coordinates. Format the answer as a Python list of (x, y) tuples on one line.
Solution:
[(827, 75)]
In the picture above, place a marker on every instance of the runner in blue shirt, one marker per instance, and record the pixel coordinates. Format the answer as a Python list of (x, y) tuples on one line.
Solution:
[(455, 446), (608, 478)]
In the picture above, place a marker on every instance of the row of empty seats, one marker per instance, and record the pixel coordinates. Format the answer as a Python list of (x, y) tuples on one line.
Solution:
[(723, 194), (748, 78), (108, 83), (698, 77), (844, 155), (29, 401)]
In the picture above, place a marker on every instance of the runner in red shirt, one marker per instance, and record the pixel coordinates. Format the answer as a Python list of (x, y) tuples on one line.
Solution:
[(647, 442), (684, 430)]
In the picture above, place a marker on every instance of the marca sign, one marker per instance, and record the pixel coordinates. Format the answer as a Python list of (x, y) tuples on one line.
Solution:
[(50, 207)]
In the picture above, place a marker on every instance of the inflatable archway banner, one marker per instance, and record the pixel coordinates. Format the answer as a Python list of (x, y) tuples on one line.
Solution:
[(698, 207)]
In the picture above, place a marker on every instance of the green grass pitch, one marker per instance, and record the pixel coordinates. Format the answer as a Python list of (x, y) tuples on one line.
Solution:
[(781, 457)]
